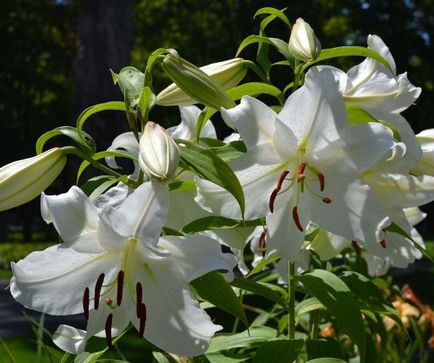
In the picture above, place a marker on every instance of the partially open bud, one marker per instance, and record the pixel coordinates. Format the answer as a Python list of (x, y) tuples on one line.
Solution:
[(159, 154), (23, 180), (193, 84), (303, 44), (426, 164)]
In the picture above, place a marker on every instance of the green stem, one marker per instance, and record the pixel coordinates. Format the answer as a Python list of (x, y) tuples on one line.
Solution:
[(96, 164), (291, 300)]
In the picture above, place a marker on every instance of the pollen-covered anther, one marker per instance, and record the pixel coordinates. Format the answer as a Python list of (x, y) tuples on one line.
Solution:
[(356, 247), (321, 180), (326, 200), (139, 296), (120, 287), (142, 319), (276, 190), (108, 330), (98, 287), (300, 172), (383, 243), (296, 219), (86, 303)]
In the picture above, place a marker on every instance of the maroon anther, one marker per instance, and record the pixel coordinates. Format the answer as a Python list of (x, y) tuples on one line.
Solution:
[(321, 180), (262, 243), (356, 247), (86, 303), (139, 295), (142, 318), (108, 330), (326, 200), (383, 243), (296, 219), (276, 190), (98, 287), (120, 289), (300, 172)]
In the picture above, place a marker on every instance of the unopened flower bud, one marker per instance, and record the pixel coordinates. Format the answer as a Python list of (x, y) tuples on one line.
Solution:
[(303, 43), (426, 164), (159, 154), (23, 180), (226, 74), (194, 84)]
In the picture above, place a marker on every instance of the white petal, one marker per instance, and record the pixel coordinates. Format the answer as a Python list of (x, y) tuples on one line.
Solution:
[(186, 129), (253, 178), (315, 112), (125, 141), (142, 216), (327, 245), (253, 119), (196, 255), (74, 217), (283, 236), (175, 322), (53, 280), (70, 339), (414, 215), (113, 197)]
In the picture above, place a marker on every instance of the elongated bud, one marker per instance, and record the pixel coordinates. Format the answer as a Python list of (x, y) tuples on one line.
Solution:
[(193, 82), (158, 152), (303, 43), (226, 74), (23, 180)]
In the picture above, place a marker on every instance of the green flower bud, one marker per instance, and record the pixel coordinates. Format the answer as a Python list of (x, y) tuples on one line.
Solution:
[(303, 44), (158, 153), (23, 180), (193, 84)]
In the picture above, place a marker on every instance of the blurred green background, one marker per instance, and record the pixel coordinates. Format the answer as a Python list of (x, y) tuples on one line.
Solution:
[(56, 56)]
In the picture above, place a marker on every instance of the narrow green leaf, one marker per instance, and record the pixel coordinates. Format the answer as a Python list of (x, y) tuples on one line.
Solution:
[(278, 44), (394, 228), (273, 11), (317, 348), (252, 337), (307, 306), (163, 357), (348, 51), (229, 151), (217, 222), (254, 89), (95, 183), (259, 289), (214, 288), (335, 295), (326, 360), (209, 166), (180, 185), (222, 358), (106, 106), (264, 263), (85, 141), (279, 351)]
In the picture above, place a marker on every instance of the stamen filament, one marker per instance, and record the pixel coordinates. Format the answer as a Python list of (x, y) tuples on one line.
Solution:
[(108, 330), (296, 219), (120, 287), (98, 287), (86, 303)]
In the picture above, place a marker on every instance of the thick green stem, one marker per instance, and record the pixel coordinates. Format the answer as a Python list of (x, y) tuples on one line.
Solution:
[(291, 299)]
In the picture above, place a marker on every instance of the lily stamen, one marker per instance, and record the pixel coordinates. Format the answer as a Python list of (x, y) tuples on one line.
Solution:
[(296, 219), (108, 330), (120, 287), (98, 287), (300, 172), (261, 246), (86, 303), (383, 243), (326, 200), (356, 247), (142, 319), (139, 295), (276, 190), (321, 180)]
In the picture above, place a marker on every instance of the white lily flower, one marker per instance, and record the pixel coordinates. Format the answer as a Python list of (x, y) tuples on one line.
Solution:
[(115, 267), (303, 43), (186, 129), (381, 92), (303, 164)]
